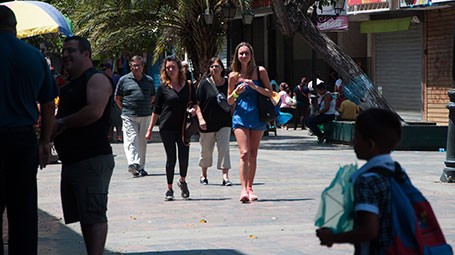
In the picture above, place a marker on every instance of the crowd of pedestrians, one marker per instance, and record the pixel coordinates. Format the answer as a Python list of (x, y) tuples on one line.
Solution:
[(92, 104)]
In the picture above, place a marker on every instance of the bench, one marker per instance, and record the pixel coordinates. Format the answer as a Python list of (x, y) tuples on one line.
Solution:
[(415, 136)]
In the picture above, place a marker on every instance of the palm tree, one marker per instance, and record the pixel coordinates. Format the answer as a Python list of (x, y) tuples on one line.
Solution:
[(184, 30), (132, 26), (116, 26)]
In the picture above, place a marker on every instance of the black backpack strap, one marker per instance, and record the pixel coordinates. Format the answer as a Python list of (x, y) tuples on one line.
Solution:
[(398, 174), (259, 77)]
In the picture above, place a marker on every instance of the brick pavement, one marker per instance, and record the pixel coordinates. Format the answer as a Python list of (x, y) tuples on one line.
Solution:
[(292, 172)]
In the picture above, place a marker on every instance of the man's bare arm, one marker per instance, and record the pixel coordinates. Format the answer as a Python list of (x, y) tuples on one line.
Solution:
[(47, 122), (99, 90)]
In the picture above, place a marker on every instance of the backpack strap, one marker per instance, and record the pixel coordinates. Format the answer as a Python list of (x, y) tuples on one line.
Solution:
[(259, 76), (209, 80), (397, 174)]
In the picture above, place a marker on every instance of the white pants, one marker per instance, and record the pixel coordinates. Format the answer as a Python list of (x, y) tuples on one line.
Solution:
[(134, 142), (207, 141)]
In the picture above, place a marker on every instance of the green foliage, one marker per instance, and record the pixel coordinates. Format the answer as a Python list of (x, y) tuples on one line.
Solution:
[(114, 26), (53, 42), (183, 29), (133, 26)]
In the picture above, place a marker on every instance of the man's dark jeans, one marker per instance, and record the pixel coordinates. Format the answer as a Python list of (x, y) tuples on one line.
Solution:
[(18, 190), (313, 121)]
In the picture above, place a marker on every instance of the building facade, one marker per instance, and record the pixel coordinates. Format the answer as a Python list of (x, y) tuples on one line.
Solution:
[(405, 47)]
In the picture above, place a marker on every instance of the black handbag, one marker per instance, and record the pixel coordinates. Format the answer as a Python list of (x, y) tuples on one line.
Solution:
[(266, 108), (190, 125), (220, 97)]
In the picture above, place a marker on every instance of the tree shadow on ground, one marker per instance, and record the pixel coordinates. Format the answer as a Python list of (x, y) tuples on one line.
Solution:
[(192, 252), (56, 238), (297, 143), (284, 199), (53, 236)]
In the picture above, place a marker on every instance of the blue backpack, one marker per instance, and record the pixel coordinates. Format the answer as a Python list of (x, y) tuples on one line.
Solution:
[(415, 228)]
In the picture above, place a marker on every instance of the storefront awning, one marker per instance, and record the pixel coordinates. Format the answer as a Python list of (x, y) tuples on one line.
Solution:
[(386, 25)]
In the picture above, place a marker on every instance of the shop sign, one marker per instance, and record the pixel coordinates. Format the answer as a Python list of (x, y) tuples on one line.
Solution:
[(333, 23)]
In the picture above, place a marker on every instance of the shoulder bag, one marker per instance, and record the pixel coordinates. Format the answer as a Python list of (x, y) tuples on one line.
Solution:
[(220, 97), (266, 107), (190, 123)]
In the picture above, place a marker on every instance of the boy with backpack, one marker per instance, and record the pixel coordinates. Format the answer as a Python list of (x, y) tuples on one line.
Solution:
[(391, 215)]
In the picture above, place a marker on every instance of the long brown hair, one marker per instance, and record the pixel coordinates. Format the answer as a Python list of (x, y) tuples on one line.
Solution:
[(165, 79), (236, 65)]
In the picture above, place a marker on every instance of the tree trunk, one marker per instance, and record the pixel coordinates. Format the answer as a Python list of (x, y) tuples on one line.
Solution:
[(356, 85)]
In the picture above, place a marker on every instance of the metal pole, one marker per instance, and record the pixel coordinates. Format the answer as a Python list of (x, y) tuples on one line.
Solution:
[(314, 56), (448, 174), (228, 54)]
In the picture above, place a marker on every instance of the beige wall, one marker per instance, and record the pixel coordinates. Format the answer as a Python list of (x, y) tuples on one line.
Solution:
[(439, 53), (353, 42)]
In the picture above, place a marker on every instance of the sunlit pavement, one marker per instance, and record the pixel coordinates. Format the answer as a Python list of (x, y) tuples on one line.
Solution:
[(292, 171)]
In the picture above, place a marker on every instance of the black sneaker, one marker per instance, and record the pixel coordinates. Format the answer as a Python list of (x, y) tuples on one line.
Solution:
[(226, 183), (321, 139), (169, 196), (184, 187), (204, 180), (142, 172), (134, 169)]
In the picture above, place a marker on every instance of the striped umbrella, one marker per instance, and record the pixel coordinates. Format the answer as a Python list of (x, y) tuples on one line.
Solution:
[(36, 18)]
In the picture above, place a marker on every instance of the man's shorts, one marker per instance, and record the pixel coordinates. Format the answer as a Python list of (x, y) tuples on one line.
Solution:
[(84, 188)]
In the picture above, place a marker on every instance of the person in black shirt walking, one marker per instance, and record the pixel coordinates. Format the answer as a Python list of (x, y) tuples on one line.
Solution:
[(302, 94), (82, 125), (171, 102), (218, 121)]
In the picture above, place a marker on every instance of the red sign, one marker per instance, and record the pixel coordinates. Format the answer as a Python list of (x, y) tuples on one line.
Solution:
[(359, 2)]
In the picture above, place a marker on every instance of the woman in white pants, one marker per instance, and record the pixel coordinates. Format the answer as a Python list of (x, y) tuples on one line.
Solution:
[(218, 122)]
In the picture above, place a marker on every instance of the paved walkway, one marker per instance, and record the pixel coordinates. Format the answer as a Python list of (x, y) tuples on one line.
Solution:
[(292, 172)]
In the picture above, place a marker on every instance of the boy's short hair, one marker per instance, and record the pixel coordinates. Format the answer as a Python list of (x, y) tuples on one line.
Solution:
[(380, 125)]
